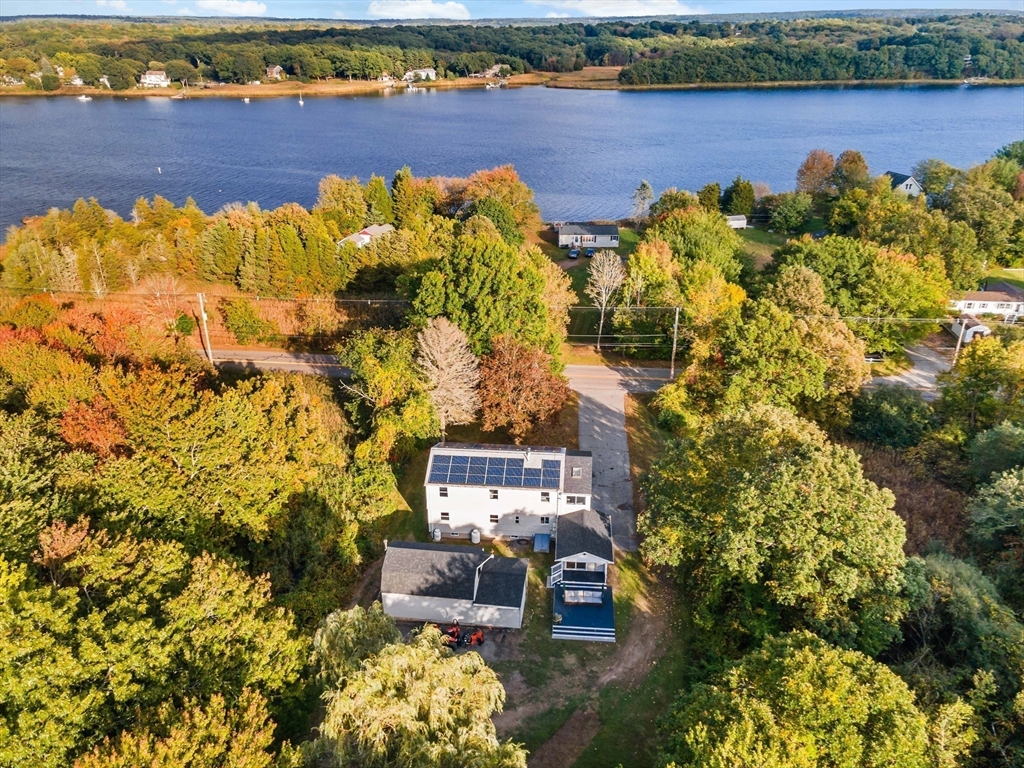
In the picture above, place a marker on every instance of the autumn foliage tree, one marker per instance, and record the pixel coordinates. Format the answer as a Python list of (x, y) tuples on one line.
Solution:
[(452, 372), (816, 174), (518, 388)]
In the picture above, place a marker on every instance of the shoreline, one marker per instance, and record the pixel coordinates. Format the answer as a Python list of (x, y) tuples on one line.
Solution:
[(589, 79)]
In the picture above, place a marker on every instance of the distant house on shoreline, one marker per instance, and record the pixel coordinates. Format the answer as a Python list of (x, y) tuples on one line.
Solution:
[(901, 182), (580, 234), (415, 75), (275, 72), (155, 78), (737, 222), (364, 236)]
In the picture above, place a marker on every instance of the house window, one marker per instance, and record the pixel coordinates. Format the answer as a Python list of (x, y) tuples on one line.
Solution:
[(545, 496), (494, 494), (494, 518), (577, 471), (444, 517), (545, 521), (517, 519), (615, 238), (579, 565), (583, 597), (576, 500), (969, 305), (442, 492), (1004, 306)]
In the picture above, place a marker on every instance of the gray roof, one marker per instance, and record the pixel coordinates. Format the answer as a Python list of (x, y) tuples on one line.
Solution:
[(449, 571), (430, 570), (585, 461), (897, 179), (583, 228), (1004, 287), (584, 531), (997, 296), (502, 581)]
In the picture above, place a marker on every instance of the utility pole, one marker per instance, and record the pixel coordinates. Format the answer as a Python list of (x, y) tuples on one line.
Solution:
[(206, 331), (675, 337), (960, 338)]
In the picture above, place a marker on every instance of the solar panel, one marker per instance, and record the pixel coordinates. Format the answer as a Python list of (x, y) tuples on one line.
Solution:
[(494, 471)]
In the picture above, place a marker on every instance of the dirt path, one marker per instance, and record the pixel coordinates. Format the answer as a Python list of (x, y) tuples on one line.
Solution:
[(569, 742), (367, 587)]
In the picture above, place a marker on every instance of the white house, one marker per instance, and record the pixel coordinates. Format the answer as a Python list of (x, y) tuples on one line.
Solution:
[(504, 490), (737, 222), (1009, 305), (415, 75), (155, 78), (575, 234), (903, 183), (364, 236), (583, 605), (443, 582), (275, 72), (967, 327)]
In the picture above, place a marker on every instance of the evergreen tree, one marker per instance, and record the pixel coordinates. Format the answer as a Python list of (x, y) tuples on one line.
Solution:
[(379, 207), (710, 197), (738, 198)]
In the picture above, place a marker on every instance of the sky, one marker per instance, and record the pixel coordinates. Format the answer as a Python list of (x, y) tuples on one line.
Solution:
[(465, 9)]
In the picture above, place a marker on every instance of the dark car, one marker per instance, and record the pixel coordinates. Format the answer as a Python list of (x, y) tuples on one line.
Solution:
[(574, 253), (589, 253)]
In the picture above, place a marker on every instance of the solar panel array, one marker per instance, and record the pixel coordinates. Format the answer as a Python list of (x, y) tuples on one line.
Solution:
[(494, 471)]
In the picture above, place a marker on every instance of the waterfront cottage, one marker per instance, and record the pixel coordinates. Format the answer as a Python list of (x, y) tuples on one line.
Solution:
[(415, 75), (574, 234), (901, 182), (364, 236), (155, 78), (511, 491), (275, 72), (441, 583)]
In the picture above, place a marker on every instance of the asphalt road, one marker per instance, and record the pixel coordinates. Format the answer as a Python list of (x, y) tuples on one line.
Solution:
[(591, 377)]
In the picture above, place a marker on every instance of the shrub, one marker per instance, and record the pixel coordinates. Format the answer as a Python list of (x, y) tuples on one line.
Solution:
[(183, 325), (996, 450), (32, 312), (891, 415), (245, 324)]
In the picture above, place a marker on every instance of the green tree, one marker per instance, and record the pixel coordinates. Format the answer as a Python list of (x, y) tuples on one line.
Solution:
[(501, 216), (245, 323), (738, 198), (345, 639), (986, 386), (996, 450), (390, 400), (791, 212), (341, 201), (696, 234), (211, 736), (643, 196), (772, 527), (710, 196), (416, 705), (379, 208), (799, 702), (181, 71), (487, 288), (894, 416), (850, 172)]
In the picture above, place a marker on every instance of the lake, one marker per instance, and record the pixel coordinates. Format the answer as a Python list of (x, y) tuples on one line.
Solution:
[(583, 152)]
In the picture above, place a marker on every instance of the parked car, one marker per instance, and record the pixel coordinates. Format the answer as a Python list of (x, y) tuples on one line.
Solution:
[(574, 253), (589, 253)]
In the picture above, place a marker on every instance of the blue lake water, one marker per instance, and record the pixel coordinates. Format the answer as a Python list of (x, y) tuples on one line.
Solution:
[(583, 152)]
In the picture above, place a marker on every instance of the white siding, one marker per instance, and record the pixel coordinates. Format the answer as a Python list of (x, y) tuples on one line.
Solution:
[(588, 241), (470, 507), (441, 610)]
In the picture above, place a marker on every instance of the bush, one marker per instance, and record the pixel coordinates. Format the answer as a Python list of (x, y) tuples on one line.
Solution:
[(245, 324), (996, 450), (50, 82), (32, 312), (891, 415), (183, 325)]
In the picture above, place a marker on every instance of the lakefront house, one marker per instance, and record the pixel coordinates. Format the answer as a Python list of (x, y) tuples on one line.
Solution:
[(155, 78), (574, 234)]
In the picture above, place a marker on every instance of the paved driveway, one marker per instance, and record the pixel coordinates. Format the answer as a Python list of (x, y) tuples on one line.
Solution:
[(602, 414), (927, 364)]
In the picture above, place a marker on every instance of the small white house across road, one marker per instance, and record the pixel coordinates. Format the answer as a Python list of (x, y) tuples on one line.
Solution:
[(444, 582), (510, 491), (364, 236), (967, 327), (574, 234), (737, 222), (1002, 302), (901, 182)]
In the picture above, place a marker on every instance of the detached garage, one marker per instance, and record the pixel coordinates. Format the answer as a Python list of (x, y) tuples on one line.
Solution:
[(441, 583)]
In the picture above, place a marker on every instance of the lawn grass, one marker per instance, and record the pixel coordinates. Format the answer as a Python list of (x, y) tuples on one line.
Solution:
[(760, 244), (628, 241), (1011, 276), (629, 717), (646, 441), (585, 354), (539, 728)]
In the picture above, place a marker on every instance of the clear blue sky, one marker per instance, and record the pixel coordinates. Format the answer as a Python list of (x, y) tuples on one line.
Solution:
[(463, 9)]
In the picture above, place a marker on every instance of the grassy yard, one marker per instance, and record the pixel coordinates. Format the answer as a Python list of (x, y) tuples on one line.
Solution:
[(760, 245), (628, 241)]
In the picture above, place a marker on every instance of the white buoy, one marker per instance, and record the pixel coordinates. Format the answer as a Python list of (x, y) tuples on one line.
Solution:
[(158, 169)]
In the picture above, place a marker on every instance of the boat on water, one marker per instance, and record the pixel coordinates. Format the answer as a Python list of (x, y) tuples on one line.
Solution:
[(301, 102), (489, 86), (245, 100), (83, 97)]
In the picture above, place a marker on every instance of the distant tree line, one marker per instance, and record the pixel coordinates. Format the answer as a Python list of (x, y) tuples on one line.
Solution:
[(652, 52)]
